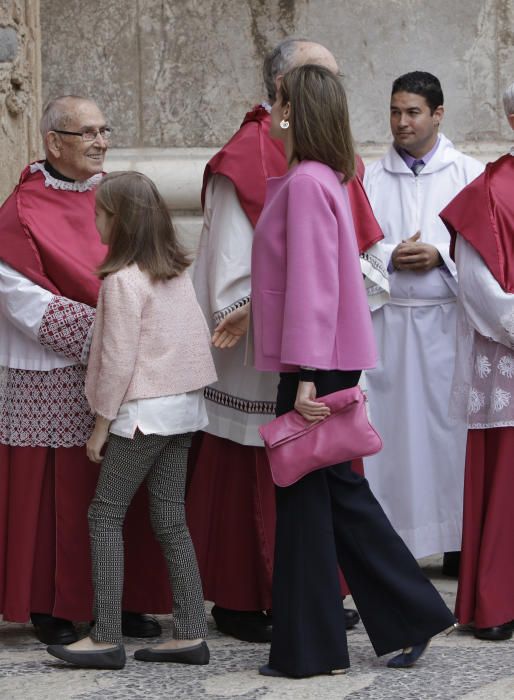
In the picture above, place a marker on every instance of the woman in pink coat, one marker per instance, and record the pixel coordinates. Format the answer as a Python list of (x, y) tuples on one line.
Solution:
[(312, 324)]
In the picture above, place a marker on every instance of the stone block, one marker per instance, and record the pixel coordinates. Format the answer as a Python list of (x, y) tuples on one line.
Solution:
[(201, 66), (8, 44), (377, 42), (182, 74), (20, 88), (92, 49)]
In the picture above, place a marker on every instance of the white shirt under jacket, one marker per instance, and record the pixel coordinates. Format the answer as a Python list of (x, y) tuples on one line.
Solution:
[(243, 398), (418, 476)]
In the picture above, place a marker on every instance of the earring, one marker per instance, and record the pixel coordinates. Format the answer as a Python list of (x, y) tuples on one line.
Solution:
[(284, 124)]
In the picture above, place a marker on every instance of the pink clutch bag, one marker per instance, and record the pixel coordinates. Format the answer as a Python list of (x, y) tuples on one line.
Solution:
[(296, 447)]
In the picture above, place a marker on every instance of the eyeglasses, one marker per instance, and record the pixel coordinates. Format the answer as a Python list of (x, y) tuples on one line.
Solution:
[(89, 134)]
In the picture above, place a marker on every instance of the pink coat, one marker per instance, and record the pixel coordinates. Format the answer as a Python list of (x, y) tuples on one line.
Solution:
[(309, 302)]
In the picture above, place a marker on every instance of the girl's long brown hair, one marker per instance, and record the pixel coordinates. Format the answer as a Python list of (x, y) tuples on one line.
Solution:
[(319, 118), (142, 231)]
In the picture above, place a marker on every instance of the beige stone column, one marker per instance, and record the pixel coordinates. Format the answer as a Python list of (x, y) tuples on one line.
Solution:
[(20, 88)]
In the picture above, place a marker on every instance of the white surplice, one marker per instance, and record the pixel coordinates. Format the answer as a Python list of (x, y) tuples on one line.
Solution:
[(243, 399), (418, 476), (483, 383)]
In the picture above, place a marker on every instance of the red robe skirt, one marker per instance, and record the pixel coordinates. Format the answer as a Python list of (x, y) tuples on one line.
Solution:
[(486, 582), (45, 561), (230, 508)]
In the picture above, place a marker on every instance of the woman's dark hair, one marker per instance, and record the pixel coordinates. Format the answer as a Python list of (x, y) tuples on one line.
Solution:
[(142, 231), (420, 83), (319, 118)]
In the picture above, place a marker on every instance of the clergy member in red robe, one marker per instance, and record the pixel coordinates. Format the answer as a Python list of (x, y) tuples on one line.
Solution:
[(481, 222), (49, 249), (231, 501)]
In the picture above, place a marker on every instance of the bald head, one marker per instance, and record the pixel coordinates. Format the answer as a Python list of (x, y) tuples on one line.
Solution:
[(289, 54), (310, 52)]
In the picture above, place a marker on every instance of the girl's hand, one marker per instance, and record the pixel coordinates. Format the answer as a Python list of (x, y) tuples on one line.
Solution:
[(98, 439), (230, 331), (305, 403)]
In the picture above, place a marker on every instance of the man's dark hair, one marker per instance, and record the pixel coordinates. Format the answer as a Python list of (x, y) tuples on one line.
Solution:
[(420, 83)]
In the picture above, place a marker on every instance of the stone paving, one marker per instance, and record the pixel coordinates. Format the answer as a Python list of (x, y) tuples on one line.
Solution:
[(455, 667)]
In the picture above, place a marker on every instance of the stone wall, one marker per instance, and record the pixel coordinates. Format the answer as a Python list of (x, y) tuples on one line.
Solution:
[(181, 73), (20, 88), (175, 77)]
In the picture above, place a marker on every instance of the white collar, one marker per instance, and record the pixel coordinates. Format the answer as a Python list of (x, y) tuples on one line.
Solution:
[(444, 155), (266, 106), (56, 184)]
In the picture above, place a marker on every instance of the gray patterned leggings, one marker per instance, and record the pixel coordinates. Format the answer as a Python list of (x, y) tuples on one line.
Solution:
[(163, 462)]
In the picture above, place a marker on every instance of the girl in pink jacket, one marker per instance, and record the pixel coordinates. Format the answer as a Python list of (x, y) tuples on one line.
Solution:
[(312, 324), (149, 362)]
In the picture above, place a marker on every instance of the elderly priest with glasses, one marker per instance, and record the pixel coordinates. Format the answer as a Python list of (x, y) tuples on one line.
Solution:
[(49, 249)]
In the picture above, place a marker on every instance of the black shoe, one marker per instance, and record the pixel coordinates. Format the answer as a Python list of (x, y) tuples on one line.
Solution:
[(493, 634), (351, 618), (408, 657), (247, 626), (139, 625), (268, 670), (451, 564), (53, 630), (197, 656), (102, 658)]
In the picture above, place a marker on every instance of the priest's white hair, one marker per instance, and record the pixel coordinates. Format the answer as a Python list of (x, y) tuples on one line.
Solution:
[(508, 100), (279, 61), (56, 113)]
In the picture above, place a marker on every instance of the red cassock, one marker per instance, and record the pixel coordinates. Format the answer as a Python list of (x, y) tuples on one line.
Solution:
[(50, 237), (231, 499), (483, 214)]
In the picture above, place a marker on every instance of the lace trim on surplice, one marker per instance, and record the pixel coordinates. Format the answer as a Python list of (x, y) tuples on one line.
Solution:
[(65, 328), (491, 393), (44, 409), (238, 404), (223, 313), (56, 184)]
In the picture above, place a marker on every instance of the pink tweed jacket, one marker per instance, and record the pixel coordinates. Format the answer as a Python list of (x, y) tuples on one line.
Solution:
[(150, 339)]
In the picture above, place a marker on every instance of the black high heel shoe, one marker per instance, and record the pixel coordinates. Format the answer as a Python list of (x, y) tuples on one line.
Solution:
[(409, 656)]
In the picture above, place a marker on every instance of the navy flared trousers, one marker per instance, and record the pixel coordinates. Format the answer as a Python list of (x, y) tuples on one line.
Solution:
[(330, 517)]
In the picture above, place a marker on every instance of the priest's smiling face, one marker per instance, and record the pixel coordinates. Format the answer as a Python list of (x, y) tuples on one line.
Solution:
[(413, 125), (70, 154)]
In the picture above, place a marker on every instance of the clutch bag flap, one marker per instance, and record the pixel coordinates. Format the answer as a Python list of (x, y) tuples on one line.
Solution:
[(291, 425)]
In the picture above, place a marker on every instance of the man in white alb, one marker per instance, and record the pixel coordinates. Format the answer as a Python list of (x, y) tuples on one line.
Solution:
[(418, 476)]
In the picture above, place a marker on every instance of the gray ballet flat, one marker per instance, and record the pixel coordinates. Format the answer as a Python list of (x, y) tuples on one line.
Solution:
[(113, 659), (197, 656)]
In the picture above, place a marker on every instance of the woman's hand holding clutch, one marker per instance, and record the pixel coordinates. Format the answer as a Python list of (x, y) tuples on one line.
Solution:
[(307, 406)]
